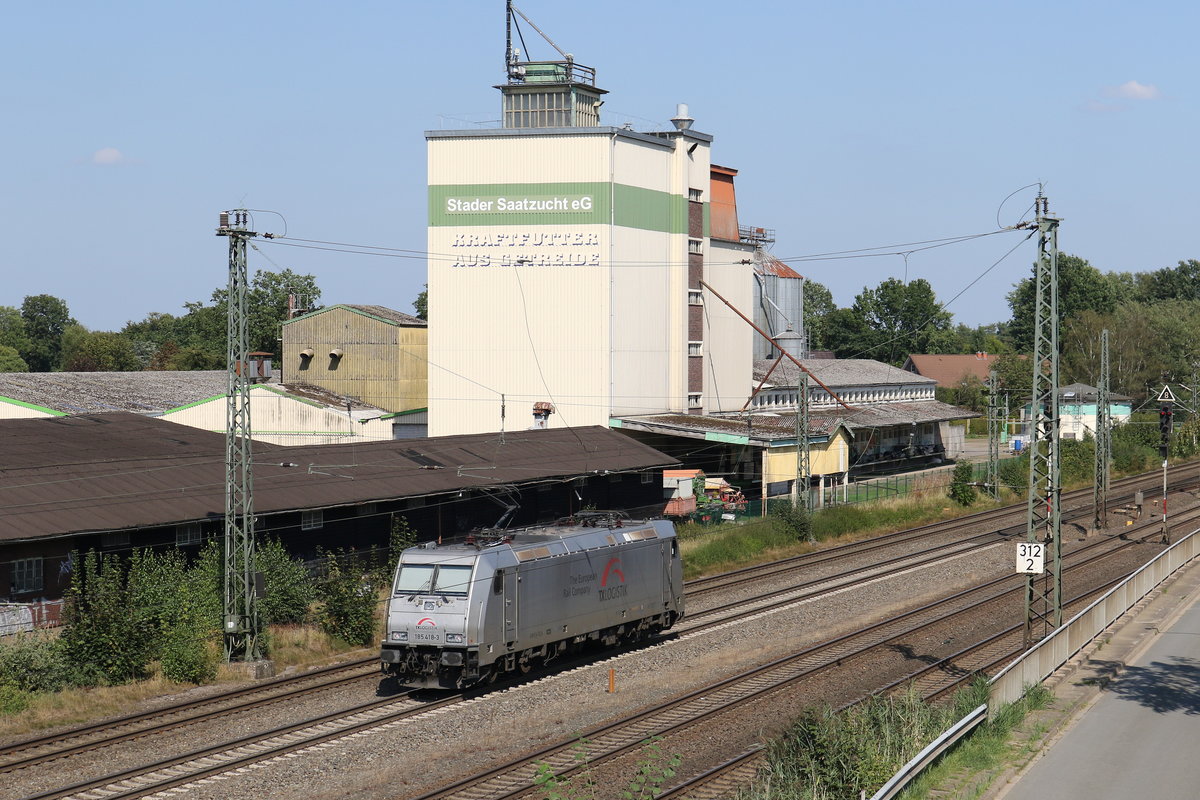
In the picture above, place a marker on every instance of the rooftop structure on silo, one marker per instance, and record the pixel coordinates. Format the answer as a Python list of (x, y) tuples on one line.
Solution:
[(547, 94)]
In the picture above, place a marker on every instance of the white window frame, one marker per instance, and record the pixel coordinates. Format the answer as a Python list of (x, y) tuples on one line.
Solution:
[(188, 533), (27, 575), (695, 297), (695, 348), (312, 520), (695, 246), (695, 195), (647, 478), (695, 400)]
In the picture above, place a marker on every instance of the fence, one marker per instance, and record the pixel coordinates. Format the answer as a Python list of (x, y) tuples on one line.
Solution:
[(1040, 661)]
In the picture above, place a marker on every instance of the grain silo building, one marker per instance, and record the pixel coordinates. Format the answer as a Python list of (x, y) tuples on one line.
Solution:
[(565, 266)]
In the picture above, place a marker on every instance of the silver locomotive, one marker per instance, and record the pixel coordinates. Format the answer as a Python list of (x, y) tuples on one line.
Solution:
[(461, 614)]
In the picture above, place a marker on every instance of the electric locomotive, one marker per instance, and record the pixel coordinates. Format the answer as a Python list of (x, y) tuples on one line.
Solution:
[(462, 613)]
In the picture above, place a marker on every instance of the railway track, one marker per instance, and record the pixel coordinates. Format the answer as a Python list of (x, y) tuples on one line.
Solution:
[(36, 751), (617, 739)]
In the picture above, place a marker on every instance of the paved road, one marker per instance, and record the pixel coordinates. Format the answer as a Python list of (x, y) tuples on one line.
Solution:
[(1141, 739)]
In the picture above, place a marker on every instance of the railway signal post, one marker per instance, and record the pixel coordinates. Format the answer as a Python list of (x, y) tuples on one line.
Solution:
[(1166, 413), (241, 627)]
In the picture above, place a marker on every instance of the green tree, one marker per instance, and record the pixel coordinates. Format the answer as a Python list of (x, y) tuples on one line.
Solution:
[(1081, 287), (46, 318), (12, 329), (1172, 283), (105, 632), (962, 487), (268, 305), (99, 351), (818, 305), (889, 322), (11, 361), (421, 304)]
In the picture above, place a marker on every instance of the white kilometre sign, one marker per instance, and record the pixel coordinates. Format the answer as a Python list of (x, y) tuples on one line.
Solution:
[(1031, 557)]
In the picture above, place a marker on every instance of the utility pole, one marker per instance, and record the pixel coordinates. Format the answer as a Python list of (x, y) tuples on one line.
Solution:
[(994, 422), (800, 488), (1044, 514), (241, 623), (1103, 439)]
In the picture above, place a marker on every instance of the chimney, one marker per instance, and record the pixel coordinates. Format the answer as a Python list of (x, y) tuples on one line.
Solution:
[(681, 120), (541, 415)]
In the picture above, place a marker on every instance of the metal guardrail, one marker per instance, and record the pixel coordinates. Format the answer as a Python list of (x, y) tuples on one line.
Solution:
[(926, 757), (1040, 661)]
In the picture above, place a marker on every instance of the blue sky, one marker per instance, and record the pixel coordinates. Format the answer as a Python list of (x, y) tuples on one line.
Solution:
[(853, 124)]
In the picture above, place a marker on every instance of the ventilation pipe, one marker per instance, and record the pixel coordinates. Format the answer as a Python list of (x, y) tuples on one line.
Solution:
[(681, 120)]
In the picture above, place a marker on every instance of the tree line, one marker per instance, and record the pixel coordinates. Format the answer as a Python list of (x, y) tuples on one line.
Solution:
[(1152, 319)]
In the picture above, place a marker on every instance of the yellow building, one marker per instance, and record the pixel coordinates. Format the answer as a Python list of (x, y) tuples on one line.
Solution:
[(370, 353)]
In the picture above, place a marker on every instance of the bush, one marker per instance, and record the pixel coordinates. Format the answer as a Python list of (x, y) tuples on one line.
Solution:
[(107, 637), (350, 600), (795, 519), (33, 662), (962, 490), (189, 655), (12, 700), (289, 587)]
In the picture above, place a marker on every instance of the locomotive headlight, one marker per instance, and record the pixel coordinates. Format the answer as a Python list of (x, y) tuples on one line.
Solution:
[(454, 638), (399, 636)]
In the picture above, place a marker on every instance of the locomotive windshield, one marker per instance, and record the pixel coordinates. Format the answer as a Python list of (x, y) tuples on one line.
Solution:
[(433, 579)]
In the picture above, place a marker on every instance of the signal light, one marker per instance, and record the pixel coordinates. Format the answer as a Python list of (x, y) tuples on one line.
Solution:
[(1164, 421)]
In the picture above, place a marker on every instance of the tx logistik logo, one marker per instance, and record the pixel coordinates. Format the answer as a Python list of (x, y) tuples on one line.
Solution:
[(612, 574), (426, 622)]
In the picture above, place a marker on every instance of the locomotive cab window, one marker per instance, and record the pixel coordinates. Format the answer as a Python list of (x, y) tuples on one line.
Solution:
[(433, 579), (452, 579), (498, 582), (415, 578)]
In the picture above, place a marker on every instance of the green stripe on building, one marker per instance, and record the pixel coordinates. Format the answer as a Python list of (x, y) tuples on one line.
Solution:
[(574, 203)]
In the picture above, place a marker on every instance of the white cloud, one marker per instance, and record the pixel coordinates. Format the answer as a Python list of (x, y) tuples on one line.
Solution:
[(108, 155), (1132, 90)]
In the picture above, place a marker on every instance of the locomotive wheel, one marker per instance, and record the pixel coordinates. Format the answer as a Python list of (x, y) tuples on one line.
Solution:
[(524, 665)]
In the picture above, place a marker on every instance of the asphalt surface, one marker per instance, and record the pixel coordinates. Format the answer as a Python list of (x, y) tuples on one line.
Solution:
[(1139, 737)]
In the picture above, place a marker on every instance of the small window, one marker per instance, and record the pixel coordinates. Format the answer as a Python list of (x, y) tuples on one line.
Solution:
[(311, 520), (26, 575), (695, 348), (695, 297), (114, 540), (366, 510), (694, 400), (415, 502), (647, 478), (696, 246), (695, 195), (544, 487), (188, 533), (614, 477)]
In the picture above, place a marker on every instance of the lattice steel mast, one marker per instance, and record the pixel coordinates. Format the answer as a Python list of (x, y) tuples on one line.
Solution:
[(801, 491), (1044, 517), (994, 421), (1103, 439), (241, 624)]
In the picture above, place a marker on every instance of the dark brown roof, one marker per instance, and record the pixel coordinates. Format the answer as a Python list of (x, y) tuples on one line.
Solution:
[(119, 471)]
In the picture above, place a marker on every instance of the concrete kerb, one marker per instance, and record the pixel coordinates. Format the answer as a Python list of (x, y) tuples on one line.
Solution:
[(1079, 683)]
